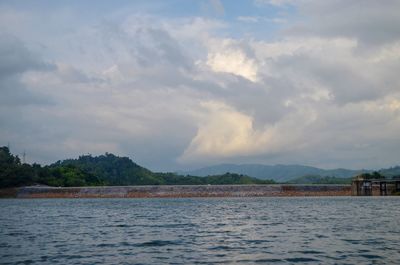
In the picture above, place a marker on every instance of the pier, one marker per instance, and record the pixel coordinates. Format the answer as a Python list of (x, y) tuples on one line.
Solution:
[(364, 186)]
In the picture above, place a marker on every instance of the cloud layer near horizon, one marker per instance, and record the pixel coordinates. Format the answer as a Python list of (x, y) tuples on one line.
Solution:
[(179, 91)]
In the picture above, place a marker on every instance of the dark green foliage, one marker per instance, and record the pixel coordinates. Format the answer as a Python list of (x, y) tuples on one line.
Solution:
[(227, 178), (316, 179), (373, 175), (68, 176), (392, 172), (112, 170), (105, 169), (14, 174), (235, 179)]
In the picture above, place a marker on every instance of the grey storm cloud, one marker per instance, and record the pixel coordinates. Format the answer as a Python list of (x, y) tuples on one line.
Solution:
[(344, 83), (16, 98), (371, 22), (140, 40), (16, 59)]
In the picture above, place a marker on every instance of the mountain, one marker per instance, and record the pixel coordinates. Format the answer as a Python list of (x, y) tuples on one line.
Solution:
[(279, 173), (114, 170), (106, 169)]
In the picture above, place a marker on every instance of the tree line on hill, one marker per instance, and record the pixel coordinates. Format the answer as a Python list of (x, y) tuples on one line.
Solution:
[(317, 179), (280, 172), (103, 170), (296, 174)]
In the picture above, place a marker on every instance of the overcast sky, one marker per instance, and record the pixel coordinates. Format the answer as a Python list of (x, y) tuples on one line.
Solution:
[(184, 84)]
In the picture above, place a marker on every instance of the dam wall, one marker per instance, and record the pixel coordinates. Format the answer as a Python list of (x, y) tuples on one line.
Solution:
[(179, 191)]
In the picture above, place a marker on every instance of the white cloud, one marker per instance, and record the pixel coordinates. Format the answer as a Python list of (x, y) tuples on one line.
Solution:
[(250, 19), (256, 19), (225, 132), (275, 2), (226, 57), (389, 52)]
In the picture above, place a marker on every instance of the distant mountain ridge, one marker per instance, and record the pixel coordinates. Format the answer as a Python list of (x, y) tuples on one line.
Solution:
[(279, 173)]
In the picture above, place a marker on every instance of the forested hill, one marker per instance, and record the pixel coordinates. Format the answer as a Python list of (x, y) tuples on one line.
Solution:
[(111, 169), (279, 173), (316, 179), (390, 172), (105, 169)]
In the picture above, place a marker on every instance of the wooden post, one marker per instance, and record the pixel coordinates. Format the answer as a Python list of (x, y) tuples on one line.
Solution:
[(355, 188), (367, 185), (383, 188)]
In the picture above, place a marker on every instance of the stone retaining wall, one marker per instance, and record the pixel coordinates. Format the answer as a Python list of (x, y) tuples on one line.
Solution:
[(183, 191)]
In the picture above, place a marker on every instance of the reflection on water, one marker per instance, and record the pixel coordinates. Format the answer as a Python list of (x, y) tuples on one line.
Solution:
[(333, 230)]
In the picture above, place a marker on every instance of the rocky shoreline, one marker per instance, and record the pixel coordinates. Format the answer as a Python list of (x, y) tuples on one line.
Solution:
[(181, 191)]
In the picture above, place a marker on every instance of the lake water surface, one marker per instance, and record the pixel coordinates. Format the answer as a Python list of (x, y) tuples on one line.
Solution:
[(320, 230)]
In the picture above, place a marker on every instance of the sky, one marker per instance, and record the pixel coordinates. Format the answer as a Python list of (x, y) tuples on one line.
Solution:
[(180, 84)]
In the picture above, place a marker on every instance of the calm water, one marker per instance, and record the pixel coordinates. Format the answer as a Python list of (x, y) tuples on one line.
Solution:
[(201, 231)]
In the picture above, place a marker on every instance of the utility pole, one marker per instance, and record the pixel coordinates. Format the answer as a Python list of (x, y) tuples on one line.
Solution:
[(23, 157)]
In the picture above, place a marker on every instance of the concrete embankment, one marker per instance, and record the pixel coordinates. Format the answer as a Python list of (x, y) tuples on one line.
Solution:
[(178, 191)]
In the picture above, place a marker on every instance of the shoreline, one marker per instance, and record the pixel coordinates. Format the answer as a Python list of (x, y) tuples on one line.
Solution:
[(178, 191)]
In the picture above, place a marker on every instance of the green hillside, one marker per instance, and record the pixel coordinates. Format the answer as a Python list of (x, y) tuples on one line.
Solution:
[(390, 172), (106, 169), (316, 179), (112, 170)]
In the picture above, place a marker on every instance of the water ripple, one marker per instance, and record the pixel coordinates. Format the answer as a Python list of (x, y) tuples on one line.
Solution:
[(201, 231)]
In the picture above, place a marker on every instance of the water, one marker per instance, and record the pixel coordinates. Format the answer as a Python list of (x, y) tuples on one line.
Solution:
[(328, 230)]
